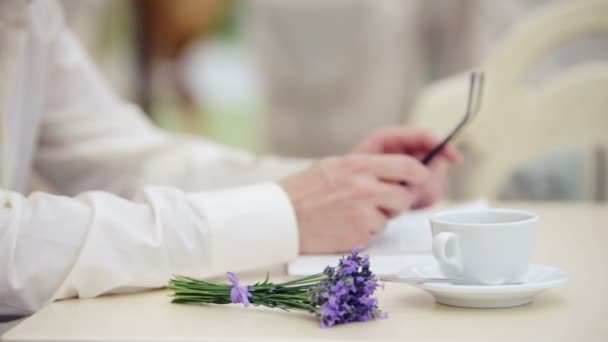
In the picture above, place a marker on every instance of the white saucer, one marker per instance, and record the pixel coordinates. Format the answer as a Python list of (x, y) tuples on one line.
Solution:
[(538, 279)]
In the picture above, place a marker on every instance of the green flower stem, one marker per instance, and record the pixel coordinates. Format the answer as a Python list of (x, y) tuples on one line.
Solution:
[(289, 295), (313, 278)]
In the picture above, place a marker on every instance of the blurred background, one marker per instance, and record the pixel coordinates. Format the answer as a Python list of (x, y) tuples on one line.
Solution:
[(309, 78)]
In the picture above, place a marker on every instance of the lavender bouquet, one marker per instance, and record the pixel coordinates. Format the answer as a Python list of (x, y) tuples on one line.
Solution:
[(340, 294)]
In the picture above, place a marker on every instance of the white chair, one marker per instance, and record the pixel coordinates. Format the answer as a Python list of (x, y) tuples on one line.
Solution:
[(519, 121)]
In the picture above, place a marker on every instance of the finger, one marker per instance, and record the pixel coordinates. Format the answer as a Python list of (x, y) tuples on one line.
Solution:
[(424, 199), (385, 140), (415, 140), (393, 199), (451, 154), (398, 139), (406, 140), (428, 141), (439, 169), (378, 224), (397, 167), (431, 191)]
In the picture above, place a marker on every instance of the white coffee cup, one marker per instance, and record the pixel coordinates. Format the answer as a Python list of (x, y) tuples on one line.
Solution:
[(489, 246)]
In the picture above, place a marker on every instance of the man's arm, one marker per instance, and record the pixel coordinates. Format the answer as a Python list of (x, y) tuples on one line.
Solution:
[(92, 140), (55, 247), (97, 242)]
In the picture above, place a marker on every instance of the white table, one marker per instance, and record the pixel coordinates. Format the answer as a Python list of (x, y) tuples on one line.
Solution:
[(571, 236)]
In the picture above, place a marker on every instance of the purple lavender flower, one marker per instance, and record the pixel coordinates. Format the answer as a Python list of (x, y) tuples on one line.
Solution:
[(339, 295), (346, 295)]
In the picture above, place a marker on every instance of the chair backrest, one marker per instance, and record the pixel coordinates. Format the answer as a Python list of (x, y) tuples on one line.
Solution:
[(519, 121)]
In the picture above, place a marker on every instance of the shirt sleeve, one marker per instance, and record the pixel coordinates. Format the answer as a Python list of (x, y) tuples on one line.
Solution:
[(90, 139), (54, 247), (115, 231)]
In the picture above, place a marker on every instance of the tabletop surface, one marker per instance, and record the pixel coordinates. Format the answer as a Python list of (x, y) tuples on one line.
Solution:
[(572, 237)]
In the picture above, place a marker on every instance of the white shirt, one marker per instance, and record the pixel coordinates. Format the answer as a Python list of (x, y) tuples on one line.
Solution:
[(60, 119)]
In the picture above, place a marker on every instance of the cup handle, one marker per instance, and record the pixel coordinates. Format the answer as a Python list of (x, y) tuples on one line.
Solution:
[(446, 249)]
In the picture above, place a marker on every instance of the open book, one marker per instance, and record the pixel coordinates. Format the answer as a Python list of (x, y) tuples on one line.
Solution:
[(406, 242)]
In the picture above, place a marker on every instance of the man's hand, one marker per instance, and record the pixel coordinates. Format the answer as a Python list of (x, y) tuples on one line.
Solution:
[(342, 202), (416, 143)]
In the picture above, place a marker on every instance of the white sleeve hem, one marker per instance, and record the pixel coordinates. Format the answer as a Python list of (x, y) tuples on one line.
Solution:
[(250, 227)]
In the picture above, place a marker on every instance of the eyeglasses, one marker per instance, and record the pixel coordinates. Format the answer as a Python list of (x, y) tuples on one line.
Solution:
[(473, 104)]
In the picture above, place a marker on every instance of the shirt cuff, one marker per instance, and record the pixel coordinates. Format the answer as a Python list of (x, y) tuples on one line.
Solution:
[(250, 227)]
